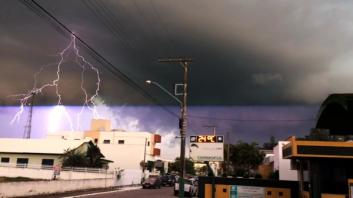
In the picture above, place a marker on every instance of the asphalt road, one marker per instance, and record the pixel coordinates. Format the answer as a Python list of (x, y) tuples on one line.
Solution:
[(163, 192)]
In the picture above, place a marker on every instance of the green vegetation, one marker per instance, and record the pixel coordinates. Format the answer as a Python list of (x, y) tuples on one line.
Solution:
[(189, 166), (322, 135), (76, 158), (244, 157), (271, 144)]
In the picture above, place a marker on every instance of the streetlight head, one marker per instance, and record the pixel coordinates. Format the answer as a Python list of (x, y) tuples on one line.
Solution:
[(148, 82)]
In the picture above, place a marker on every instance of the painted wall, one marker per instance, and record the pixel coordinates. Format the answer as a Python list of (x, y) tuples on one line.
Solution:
[(125, 156), (283, 165), (130, 177), (48, 174), (12, 189), (32, 158)]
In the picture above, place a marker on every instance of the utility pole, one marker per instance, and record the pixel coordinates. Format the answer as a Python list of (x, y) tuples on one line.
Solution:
[(144, 160), (214, 128), (184, 62), (228, 154), (28, 127)]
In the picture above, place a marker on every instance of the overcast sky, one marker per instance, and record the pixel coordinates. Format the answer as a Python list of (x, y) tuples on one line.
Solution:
[(247, 54)]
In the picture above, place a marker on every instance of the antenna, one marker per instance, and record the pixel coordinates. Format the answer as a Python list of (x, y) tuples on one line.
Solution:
[(28, 127)]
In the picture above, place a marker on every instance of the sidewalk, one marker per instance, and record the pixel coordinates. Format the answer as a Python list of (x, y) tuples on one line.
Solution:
[(87, 192)]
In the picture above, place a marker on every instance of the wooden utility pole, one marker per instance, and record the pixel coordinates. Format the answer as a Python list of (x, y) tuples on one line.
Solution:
[(228, 154), (214, 128), (184, 62)]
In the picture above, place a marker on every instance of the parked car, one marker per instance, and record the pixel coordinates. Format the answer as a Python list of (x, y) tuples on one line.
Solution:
[(168, 180), (190, 188), (152, 182)]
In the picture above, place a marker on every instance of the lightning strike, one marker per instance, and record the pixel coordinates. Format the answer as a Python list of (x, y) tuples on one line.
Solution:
[(88, 101)]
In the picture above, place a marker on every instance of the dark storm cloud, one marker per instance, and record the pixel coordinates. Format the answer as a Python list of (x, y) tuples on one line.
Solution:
[(246, 52)]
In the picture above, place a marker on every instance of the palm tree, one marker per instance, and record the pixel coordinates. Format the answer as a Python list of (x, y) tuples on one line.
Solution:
[(73, 158), (94, 154)]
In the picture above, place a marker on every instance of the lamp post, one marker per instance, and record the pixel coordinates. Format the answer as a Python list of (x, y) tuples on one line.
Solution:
[(184, 62), (182, 137)]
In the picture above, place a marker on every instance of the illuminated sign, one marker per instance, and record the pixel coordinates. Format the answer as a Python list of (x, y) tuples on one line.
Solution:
[(206, 148), (207, 139)]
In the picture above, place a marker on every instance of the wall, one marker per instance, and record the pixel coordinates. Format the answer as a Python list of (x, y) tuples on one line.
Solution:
[(48, 174), (265, 170), (97, 124), (32, 158), (283, 165), (124, 156), (130, 177), (12, 189), (222, 182), (67, 134)]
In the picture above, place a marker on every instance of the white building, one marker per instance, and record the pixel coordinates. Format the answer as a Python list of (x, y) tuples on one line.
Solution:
[(23, 152), (128, 150), (283, 165)]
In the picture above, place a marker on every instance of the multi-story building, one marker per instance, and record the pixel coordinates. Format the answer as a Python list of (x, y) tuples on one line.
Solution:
[(128, 150)]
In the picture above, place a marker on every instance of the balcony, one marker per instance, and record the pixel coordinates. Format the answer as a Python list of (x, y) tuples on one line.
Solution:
[(157, 139), (156, 151)]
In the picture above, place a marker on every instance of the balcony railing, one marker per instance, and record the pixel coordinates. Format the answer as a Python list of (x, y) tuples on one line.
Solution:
[(46, 167)]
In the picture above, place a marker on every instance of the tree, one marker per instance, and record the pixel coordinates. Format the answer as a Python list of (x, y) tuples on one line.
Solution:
[(94, 154), (322, 135), (245, 156), (270, 145), (202, 170), (73, 158), (189, 166)]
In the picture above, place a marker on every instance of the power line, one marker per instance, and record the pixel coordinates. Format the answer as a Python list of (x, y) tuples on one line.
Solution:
[(40, 11), (255, 120), (155, 10), (149, 25)]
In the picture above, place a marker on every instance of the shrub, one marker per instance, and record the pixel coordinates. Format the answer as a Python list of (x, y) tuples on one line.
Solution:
[(234, 175), (274, 175), (258, 176), (246, 176), (239, 171), (224, 175)]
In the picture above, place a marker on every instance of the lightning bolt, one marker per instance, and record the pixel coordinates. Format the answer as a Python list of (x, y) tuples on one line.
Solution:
[(88, 101)]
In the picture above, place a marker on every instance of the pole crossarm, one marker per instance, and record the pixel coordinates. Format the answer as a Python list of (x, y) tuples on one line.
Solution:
[(184, 62), (175, 59)]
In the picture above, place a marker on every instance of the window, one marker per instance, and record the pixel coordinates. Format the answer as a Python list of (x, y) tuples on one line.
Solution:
[(106, 142), (148, 143), (5, 160), (48, 162), (96, 141), (269, 193), (22, 162), (121, 141), (280, 193)]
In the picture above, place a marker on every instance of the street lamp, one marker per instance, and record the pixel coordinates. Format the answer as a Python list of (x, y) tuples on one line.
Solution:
[(182, 137), (148, 82)]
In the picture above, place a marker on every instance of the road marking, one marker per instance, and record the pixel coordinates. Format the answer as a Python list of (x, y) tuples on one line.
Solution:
[(102, 193)]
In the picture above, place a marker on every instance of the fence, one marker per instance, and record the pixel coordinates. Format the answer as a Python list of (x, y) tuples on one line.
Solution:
[(46, 167)]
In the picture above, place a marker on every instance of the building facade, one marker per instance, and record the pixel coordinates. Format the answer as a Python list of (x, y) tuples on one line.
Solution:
[(37, 152), (128, 150)]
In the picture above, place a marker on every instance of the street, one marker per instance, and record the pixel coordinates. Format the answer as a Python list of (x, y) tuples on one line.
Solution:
[(162, 192)]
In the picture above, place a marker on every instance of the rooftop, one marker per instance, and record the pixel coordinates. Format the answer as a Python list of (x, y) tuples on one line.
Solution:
[(43, 146)]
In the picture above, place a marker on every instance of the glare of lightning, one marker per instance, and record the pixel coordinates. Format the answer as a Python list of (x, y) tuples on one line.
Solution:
[(88, 101)]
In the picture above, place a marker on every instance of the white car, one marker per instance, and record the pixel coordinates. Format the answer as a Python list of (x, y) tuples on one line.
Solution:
[(190, 188)]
